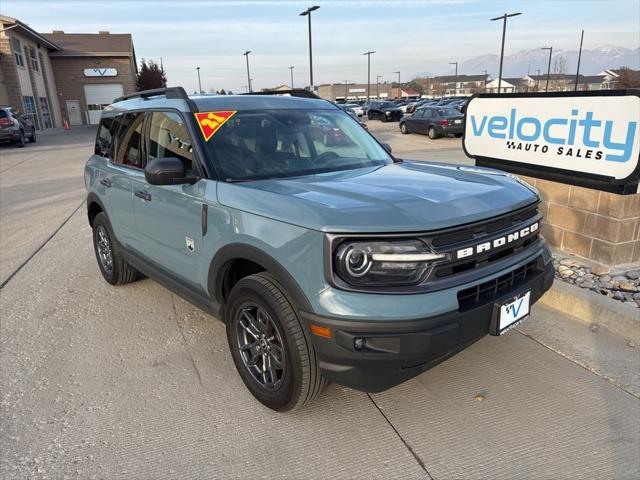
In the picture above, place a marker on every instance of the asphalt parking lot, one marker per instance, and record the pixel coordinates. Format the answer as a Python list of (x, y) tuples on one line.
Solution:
[(134, 383)]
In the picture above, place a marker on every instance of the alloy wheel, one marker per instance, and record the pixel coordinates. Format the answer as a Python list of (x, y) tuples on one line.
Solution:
[(260, 345), (104, 249)]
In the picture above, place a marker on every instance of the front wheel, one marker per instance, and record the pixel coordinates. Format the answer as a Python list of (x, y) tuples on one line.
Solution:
[(403, 128), (369, 116), (271, 352)]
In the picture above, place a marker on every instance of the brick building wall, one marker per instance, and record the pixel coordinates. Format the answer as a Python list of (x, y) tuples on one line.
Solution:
[(603, 227), (11, 82), (70, 79)]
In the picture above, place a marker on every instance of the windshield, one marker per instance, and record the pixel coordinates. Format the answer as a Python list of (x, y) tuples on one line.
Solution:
[(255, 145), (388, 105), (448, 112)]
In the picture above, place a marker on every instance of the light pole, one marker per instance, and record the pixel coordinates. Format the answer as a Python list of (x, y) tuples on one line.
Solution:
[(399, 91), (246, 54), (504, 31), (199, 84), (368, 54), (575, 88), (486, 75), (346, 90), (307, 13), (455, 94), (546, 88), (378, 77), (291, 70)]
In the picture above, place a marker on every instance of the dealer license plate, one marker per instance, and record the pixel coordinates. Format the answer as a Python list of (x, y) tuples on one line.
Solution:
[(457, 121), (511, 313)]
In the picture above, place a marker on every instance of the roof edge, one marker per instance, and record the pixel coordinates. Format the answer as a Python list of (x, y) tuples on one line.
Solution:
[(29, 31)]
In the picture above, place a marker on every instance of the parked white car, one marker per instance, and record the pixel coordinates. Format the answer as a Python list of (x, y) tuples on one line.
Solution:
[(355, 107)]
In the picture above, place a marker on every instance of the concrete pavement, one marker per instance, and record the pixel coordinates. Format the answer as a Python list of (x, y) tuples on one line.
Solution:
[(133, 382)]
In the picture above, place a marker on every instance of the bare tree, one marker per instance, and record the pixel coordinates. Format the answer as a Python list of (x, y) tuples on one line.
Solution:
[(627, 78), (559, 71)]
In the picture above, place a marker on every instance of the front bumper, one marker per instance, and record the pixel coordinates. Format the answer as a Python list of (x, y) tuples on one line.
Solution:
[(395, 351)]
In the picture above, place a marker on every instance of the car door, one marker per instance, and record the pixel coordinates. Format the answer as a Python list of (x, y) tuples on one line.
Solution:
[(413, 122), (118, 138), (427, 120), (169, 217)]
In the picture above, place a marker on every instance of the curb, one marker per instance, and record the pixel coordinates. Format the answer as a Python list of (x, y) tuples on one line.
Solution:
[(613, 315)]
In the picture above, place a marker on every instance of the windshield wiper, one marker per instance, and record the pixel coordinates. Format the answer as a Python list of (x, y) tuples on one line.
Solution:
[(240, 180)]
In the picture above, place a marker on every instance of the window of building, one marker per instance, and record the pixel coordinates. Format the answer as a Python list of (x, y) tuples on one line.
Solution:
[(129, 141), (46, 113), (34, 59), (17, 52), (168, 137), (30, 110)]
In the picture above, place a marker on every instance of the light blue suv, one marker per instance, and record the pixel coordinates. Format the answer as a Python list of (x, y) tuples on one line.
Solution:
[(327, 258)]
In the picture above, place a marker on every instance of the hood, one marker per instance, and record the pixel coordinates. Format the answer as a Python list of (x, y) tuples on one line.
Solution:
[(406, 197)]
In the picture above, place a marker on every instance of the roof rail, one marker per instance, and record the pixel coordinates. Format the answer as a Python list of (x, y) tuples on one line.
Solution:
[(168, 92), (295, 92)]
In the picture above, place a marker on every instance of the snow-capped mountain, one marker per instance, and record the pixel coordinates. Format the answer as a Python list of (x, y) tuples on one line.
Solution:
[(529, 61)]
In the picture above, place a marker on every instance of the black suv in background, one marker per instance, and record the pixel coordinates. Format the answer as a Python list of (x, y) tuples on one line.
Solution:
[(385, 111), (16, 127), (434, 121)]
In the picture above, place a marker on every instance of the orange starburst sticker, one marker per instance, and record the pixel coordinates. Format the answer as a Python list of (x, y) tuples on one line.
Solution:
[(210, 122)]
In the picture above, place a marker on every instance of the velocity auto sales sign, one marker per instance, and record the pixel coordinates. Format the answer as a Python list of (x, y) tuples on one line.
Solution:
[(590, 139)]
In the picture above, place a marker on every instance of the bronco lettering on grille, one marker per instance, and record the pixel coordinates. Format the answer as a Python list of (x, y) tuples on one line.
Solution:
[(497, 242)]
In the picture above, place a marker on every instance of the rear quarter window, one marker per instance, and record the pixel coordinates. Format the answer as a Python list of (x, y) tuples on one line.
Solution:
[(105, 137)]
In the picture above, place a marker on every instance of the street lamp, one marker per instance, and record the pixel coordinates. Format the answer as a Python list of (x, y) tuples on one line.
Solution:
[(291, 70), (455, 88), (399, 91), (368, 54), (199, 84), (546, 88), (246, 54), (575, 88), (378, 77), (307, 13), (504, 31)]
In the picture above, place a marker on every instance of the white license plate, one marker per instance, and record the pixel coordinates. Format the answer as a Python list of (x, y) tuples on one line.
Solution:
[(513, 311), (457, 121)]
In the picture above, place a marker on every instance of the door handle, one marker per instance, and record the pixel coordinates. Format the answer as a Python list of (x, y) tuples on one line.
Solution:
[(106, 182), (143, 195)]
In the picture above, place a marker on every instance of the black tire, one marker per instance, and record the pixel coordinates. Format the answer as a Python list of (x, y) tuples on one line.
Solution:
[(32, 138), (432, 133), (117, 271), (20, 142), (299, 380), (403, 128), (458, 135)]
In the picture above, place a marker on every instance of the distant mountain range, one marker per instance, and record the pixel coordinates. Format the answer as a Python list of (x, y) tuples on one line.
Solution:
[(528, 61)]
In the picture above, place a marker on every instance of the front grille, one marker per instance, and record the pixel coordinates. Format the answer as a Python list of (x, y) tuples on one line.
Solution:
[(488, 291)]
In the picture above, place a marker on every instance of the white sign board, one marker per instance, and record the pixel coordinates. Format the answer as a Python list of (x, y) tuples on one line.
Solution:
[(589, 138), (100, 72), (357, 90)]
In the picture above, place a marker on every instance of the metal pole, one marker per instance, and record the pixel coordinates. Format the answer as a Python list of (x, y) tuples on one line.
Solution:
[(546, 88), (199, 84), (399, 91), (504, 32), (455, 84), (368, 54), (246, 54), (291, 70), (575, 88), (345, 90), (378, 77), (310, 55)]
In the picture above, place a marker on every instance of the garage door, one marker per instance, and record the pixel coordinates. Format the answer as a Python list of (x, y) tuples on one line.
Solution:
[(98, 96)]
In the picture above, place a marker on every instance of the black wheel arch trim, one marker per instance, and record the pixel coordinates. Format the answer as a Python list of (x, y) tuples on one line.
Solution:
[(240, 251), (94, 198)]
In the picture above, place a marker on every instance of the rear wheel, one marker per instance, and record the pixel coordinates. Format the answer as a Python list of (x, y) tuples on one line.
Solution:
[(458, 135), (432, 133), (369, 116), (113, 267), (272, 354)]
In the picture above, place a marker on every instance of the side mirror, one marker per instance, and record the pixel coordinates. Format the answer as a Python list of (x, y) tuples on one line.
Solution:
[(166, 171), (386, 146)]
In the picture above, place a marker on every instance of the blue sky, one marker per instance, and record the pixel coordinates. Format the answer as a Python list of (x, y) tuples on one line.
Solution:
[(410, 36)]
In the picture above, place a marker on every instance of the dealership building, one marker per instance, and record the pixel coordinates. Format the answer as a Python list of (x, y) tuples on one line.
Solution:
[(58, 76), (358, 91)]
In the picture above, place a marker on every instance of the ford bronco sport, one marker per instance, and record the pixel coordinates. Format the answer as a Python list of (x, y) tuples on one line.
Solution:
[(327, 258)]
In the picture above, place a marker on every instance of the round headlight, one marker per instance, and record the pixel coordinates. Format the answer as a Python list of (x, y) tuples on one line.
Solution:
[(357, 262)]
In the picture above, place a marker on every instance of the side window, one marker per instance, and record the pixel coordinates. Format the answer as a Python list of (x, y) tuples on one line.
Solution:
[(129, 141), (106, 137), (419, 114), (168, 137), (17, 52)]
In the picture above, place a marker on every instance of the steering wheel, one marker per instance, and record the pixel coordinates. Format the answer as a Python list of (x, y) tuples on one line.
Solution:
[(325, 157)]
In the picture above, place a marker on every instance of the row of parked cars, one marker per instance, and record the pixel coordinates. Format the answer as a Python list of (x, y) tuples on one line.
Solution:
[(433, 117)]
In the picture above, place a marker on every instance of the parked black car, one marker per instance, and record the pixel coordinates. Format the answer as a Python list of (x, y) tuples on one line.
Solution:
[(434, 121), (16, 127), (385, 111)]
